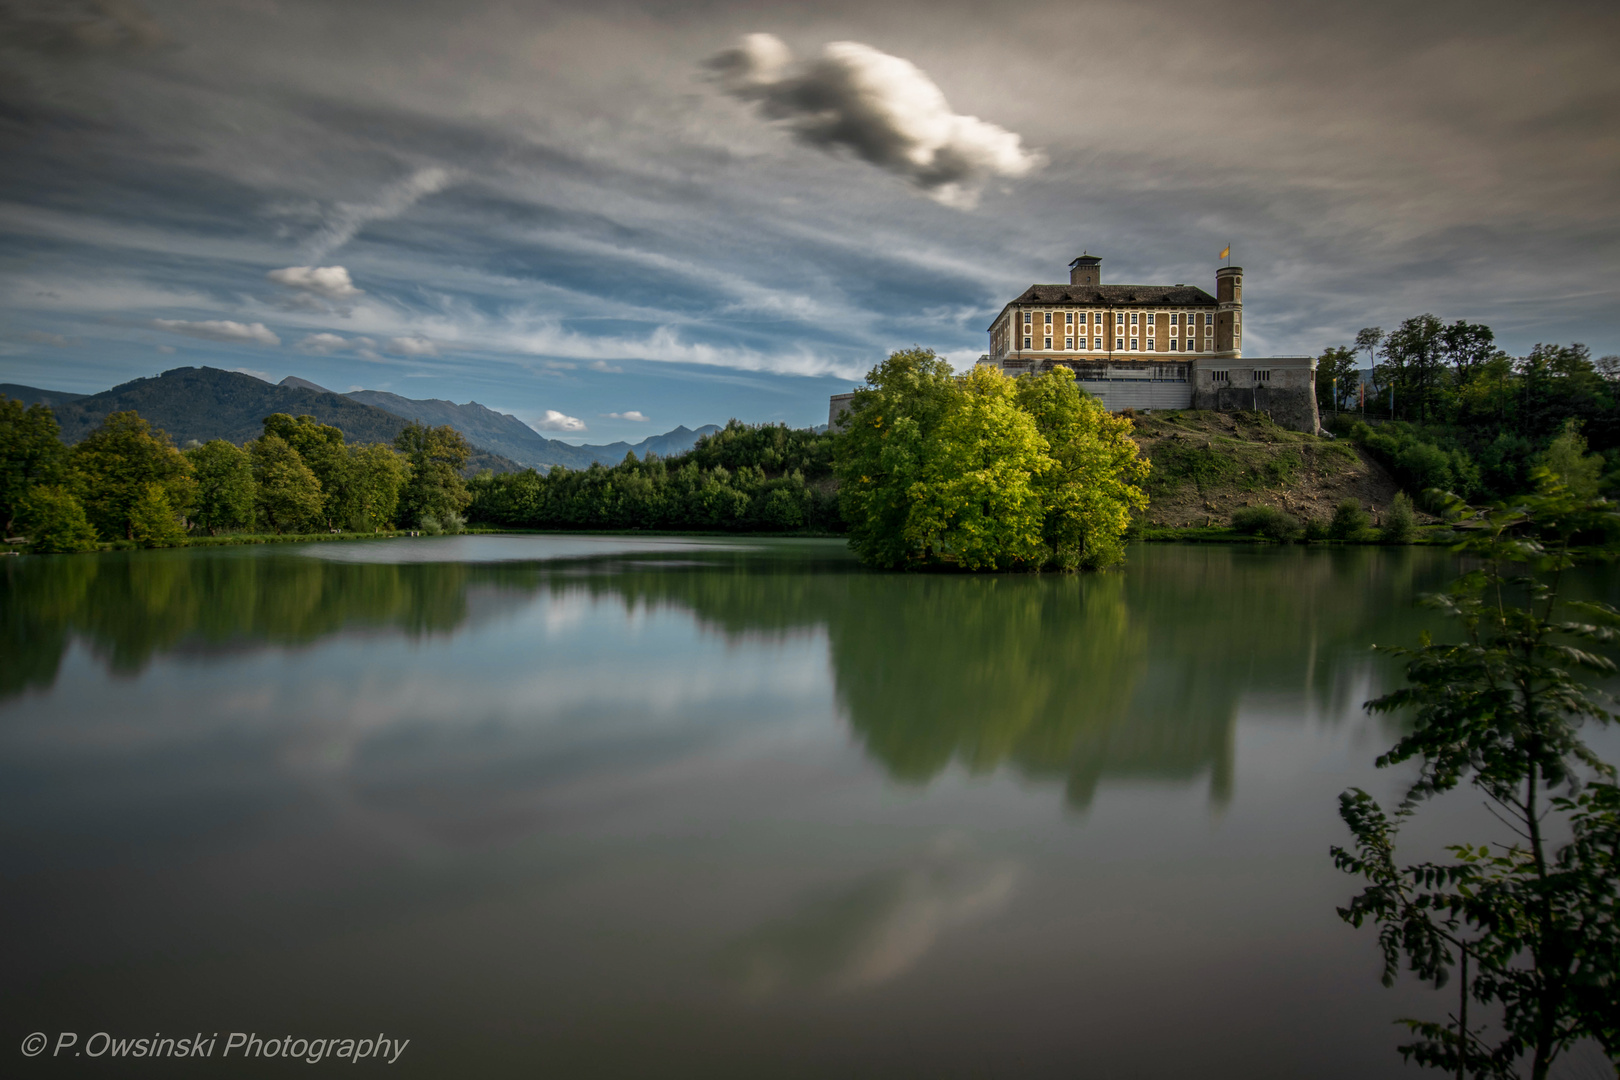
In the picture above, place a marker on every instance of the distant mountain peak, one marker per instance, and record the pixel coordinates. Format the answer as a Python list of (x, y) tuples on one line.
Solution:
[(293, 382)]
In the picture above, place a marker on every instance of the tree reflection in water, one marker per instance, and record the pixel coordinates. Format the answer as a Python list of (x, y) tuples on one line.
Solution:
[(1071, 678)]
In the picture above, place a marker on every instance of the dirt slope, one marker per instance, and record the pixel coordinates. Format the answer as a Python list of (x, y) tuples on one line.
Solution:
[(1207, 465)]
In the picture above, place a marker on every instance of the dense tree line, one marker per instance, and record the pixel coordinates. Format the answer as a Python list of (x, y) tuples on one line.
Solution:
[(1462, 415), (126, 481), (745, 478)]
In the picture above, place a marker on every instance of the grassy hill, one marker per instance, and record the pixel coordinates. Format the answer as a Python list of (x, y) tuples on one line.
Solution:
[(1206, 465)]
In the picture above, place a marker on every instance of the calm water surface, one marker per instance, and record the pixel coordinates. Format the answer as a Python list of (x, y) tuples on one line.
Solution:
[(579, 806)]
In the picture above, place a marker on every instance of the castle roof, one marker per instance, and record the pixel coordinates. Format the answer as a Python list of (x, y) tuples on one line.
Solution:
[(1116, 295)]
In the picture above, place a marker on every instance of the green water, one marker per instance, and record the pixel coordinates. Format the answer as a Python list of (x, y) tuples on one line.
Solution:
[(573, 806)]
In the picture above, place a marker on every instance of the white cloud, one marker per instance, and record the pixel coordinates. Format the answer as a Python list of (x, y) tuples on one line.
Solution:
[(603, 365), (220, 330), (250, 371), (324, 344), (347, 219), (882, 108), (556, 421), (633, 415), (332, 282), (413, 346), (41, 337)]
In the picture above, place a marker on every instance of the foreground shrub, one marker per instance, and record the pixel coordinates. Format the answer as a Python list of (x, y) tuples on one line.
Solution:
[(1400, 521), (1349, 520), (1266, 521)]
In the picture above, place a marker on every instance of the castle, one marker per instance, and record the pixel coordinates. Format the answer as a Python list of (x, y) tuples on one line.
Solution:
[(1147, 347)]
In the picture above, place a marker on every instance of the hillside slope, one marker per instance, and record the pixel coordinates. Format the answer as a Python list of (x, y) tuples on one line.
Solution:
[(207, 403), (1206, 465)]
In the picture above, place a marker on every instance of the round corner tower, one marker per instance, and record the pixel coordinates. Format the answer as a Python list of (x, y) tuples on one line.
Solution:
[(1229, 312)]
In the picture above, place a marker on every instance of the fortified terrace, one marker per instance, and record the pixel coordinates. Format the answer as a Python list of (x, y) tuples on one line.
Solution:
[(1146, 347)]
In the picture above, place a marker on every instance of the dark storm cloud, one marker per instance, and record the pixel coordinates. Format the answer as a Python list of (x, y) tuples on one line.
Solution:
[(550, 204), (881, 107)]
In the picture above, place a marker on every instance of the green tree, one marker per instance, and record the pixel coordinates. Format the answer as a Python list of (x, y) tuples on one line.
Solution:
[(152, 520), (435, 487), (1338, 373), (1093, 486), (1413, 362), (321, 448), (976, 501), (1533, 930), (288, 496), (112, 466), (377, 477), (1581, 472), (1400, 520), (31, 453), (55, 521), (225, 489), (982, 471)]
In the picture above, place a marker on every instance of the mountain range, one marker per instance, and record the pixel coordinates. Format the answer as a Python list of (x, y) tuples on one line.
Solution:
[(207, 403)]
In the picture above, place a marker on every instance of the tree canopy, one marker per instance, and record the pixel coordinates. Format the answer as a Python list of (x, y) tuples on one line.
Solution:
[(984, 472)]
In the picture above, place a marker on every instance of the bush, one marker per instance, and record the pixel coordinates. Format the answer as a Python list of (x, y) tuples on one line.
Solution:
[(1316, 531), (55, 521), (1400, 521), (430, 524), (1349, 519), (1266, 521), (152, 521)]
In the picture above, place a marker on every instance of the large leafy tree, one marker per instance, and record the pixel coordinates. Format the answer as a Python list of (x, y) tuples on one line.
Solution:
[(55, 521), (1338, 373), (1092, 487), (321, 448), (225, 490), (114, 465), (376, 477), (1532, 929), (31, 453), (436, 456), (1414, 363), (287, 494), (982, 471)]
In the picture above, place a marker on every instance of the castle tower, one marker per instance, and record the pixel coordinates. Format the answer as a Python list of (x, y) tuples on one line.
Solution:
[(1086, 270), (1229, 312)]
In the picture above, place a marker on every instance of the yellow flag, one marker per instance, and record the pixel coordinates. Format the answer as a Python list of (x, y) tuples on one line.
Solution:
[(1225, 251)]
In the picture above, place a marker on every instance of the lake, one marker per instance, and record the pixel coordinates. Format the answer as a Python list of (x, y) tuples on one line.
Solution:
[(613, 806)]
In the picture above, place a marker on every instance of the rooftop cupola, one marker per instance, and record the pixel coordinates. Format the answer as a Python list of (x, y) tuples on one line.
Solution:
[(1086, 270)]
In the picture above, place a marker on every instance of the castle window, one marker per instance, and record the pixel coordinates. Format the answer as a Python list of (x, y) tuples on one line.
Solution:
[(1027, 318), (1068, 343), (1172, 344), (1048, 343), (1262, 376), (1133, 344), (1221, 376), (1068, 318), (1119, 318), (1209, 320), (1174, 319), (1119, 344), (1150, 345), (1048, 318), (1133, 318), (1026, 343), (1096, 343)]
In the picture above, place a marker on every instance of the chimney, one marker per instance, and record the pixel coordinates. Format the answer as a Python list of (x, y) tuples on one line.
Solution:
[(1086, 270)]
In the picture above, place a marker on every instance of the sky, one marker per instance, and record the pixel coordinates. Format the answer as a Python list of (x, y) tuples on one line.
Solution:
[(612, 218)]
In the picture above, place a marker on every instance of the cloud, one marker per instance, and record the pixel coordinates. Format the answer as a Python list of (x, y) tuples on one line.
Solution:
[(324, 344), (633, 415), (250, 371), (220, 330), (556, 421), (603, 365), (69, 27), (347, 219), (413, 346), (882, 108), (329, 281), (40, 337)]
